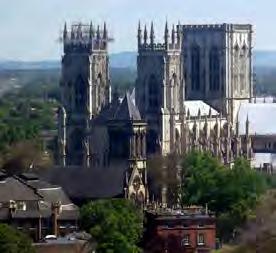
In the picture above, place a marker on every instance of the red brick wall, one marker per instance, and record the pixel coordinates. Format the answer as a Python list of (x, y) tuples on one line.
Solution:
[(161, 236)]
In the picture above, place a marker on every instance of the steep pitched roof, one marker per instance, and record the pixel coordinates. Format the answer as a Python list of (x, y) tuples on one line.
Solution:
[(13, 189), (127, 110), (97, 183)]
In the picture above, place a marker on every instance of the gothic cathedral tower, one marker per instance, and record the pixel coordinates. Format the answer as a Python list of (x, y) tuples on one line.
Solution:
[(218, 65), (85, 89), (159, 87)]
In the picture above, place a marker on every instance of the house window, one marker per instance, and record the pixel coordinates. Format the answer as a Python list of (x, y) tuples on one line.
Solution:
[(186, 240), (200, 239), (21, 205), (200, 225)]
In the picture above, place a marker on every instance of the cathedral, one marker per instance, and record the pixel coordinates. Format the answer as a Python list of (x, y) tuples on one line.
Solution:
[(187, 94)]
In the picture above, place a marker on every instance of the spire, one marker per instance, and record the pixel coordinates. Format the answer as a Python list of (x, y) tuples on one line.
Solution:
[(72, 34), (115, 97), (247, 126), (105, 31), (173, 35), (188, 114), (65, 32), (178, 33), (199, 113), (98, 33), (237, 127), (139, 34), (216, 118), (210, 112), (151, 34), (79, 32), (91, 31), (166, 34), (145, 35)]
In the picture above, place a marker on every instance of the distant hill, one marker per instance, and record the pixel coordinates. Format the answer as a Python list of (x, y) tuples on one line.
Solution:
[(118, 60), (264, 59), (28, 65), (127, 60), (123, 60)]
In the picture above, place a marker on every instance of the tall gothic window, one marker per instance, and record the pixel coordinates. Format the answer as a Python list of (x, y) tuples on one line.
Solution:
[(80, 93), (153, 93), (214, 69), (243, 71), (195, 68)]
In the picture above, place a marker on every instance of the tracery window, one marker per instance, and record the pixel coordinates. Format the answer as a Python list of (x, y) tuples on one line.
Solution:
[(195, 68), (80, 93), (214, 67), (153, 92)]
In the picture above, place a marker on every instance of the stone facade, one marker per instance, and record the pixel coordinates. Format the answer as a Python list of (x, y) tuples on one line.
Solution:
[(93, 130), (206, 63), (159, 86), (85, 88), (186, 96), (218, 65)]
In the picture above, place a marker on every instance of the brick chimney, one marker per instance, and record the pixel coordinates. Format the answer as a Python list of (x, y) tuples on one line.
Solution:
[(55, 213)]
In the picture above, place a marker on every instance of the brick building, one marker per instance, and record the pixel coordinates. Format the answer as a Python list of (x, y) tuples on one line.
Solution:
[(186, 231)]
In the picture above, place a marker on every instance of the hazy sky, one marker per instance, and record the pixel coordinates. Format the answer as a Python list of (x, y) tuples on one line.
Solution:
[(29, 29)]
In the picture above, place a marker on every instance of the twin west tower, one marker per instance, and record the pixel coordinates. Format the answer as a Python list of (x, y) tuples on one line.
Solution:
[(188, 90)]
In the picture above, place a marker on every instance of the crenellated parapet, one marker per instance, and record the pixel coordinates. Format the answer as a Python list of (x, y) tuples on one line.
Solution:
[(147, 41), (85, 38)]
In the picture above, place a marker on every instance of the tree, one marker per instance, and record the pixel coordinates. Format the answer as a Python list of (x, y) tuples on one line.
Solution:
[(203, 177), (259, 233), (164, 171), (25, 156), (231, 193), (116, 225), (13, 241)]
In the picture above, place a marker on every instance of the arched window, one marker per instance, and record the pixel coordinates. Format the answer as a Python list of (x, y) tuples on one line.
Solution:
[(214, 69), (77, 140), (152, 142), (80, 94), (153, 93), (195, 68), (175, 93)]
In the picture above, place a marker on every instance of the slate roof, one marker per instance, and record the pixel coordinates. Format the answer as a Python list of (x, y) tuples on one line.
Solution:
[(55, 195), (38, 194), (194, 105), (13, 189), (81, 183), (124, 110), (262, 118), (127, 110), (51, 193)]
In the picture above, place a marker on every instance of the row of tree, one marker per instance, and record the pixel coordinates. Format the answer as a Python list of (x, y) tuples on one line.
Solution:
[(198, 179), (201, 179), (232, 194)]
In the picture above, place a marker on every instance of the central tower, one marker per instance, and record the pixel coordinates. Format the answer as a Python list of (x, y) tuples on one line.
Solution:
[(85, 88), (159, 86)]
